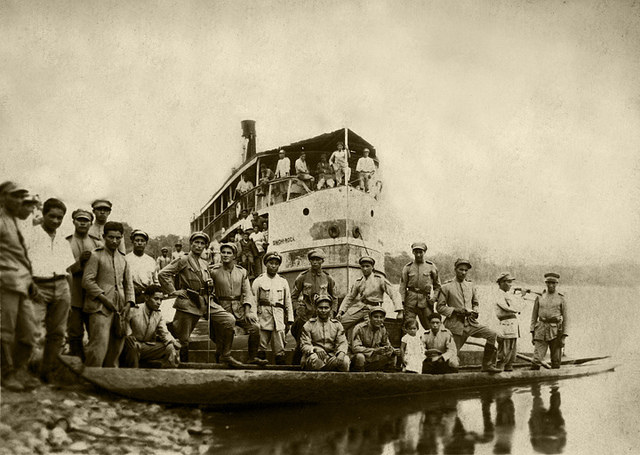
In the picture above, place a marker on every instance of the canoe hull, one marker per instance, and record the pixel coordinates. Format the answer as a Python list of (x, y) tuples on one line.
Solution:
[(269, 387)]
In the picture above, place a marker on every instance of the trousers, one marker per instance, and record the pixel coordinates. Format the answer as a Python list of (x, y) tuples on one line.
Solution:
[(103, 349), (135, 352), (555, 349), (273, 338), (17, 330), (51, 320), (507, 348), (332, 363)]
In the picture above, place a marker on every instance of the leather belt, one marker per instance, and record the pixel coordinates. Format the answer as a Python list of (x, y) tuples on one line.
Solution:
[(51, 279), (507, 317), (371, 303), (550, 320), (418, 291), (267, 303)]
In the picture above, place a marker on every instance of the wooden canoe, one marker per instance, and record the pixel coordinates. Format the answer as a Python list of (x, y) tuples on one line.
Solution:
[(260, 387)]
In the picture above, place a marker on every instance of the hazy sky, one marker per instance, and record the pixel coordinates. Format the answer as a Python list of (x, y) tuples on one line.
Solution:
[(508, 127)]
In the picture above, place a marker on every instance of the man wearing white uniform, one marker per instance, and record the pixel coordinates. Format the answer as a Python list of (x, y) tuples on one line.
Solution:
[(365, 168), (339, 160), (508, 307), (283, 169), (302, 170), (143, 268)]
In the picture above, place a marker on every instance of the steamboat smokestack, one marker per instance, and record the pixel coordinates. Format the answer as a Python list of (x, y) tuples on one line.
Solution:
[(249, 133)]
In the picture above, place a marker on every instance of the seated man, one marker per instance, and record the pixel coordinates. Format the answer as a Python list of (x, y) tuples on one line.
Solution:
[(149, 339), (325, 173), (442, 356), (323, 343), (371, 346), (302, 170)]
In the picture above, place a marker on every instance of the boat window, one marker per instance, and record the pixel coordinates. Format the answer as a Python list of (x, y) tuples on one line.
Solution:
[(305, 212)]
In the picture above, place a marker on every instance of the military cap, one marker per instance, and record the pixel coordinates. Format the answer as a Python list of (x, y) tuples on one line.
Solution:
[(233, 247), (322, 298), (462, 261), (9, 187), (419, 246), (317, 253), (81, 213), (98, 203), (368, 259), (199, 235), (551, 277), (505, 277), (272, 255), (139, 232), (377, 309), (164, 248)]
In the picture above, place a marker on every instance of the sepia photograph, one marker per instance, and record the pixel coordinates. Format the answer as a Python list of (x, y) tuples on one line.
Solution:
[(385, 227)]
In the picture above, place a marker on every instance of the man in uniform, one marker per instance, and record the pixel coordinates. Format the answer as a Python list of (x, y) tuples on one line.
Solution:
[(192, 299), (164, 259), (143, 267), (177, 253), (418, 278), (365, 168), (508, 307), (102, 210), (82, 244), (367, 292), (323, 343), (275, 312), (371, 346), (458, 301), (441, 352), (549, 323), (310, 283), (109, 290), (233, 292)]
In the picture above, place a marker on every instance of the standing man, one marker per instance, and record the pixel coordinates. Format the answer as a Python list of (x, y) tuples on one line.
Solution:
[(458, 301), (371, 346), (82, 244), (16, 287), (508, 307), (549, 323), (367, 292), (325, 173), (233, 292), (110, 294), (302, 170), (275, 312), (177, 252), (309, 284), (441, 352), (365, 168), (259, 238), (283, 168), (164, 259), (339, 160), (418, 278), (51, 256), (324, 345), (142, 266), (102, 210)]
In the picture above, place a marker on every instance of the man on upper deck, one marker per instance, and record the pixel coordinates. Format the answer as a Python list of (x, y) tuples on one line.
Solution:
[(417, 279), (302, 170), (339, 160), (365, 168), (324, 173), (283, 168), (549, 323)]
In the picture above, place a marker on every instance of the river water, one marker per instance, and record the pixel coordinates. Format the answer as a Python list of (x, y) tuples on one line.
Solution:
[(598, 414)]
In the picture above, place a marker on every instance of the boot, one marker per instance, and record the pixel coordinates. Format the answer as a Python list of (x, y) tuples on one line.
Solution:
[(281, 359), (76, 349), (252, 348), (11, 382), (27, 381), (184, 353), (225, 338), (489, 359)]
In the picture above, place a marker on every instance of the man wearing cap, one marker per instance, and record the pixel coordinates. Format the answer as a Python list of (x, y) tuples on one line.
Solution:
[(143, 268), (302, 170), (283, 168), (308, 285), (323, 343), (233, 293), (102, 210), (365, 168), (458, 301), (50, 257), (16, 286), (441, 353), (109, 290), (367, 292), (339, 160), (371, 346), (549, 323), (164, 259), (82, 244), (417, 280), (177, 252), (275, 312), (508, 307)]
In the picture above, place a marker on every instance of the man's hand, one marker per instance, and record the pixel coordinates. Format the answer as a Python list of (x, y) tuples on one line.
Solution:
[(107, 303), (250, 316), (176, 344), (180, 293), (84, 256), (563, 339), (321, 353), (399, 314), (340, 355)]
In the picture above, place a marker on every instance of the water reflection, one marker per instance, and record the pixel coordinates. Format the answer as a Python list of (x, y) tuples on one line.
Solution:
[(405, 426)]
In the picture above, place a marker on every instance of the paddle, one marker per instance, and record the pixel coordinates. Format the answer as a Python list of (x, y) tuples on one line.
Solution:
[(518, 355)]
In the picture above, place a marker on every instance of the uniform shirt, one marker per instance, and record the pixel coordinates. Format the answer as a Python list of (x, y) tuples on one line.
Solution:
[(309, 284), (192, 274), (416, 282), (507, 308), (283, 168), (549, 306), (50, 256), (78, 246), (366, 165), (327, 335), (15, 266), (366, 338), (454, 294), (143, 270), (301, 166), (443, 342), (162, 262), (273, 298), (109, 274), (148, 326), (338, 159), (232, 288), (371, 289)]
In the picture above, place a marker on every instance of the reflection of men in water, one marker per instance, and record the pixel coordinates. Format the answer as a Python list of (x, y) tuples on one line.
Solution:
[(549, 323), (505, 423), (458, 301), (508, 307), (546, 427), (442, 356)]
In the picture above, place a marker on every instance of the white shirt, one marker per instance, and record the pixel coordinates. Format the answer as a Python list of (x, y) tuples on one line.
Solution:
[(414, 352), (246, 223), (366, 165), (143, 269), (49, 256), (259, 239), (301, 166), (177, 254), (244, 186), (338, 159), (283, 169)]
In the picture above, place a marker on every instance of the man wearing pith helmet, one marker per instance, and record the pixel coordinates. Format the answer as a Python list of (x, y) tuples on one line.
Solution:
[(367, 292), (549, 323), (310, 283), (417, 280), (508, 307), (275, 312)]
